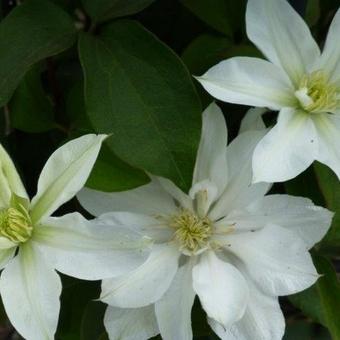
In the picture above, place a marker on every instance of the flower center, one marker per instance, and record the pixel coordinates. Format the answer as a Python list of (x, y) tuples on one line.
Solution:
[(192, 233), (316, 94), (15, 224)]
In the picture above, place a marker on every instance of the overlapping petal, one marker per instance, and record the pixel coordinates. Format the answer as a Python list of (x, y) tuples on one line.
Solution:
[(282, 36), (89, 250), (30, 291), (173, 310), (64, 174), (249, 81), (147, 283), (287, 149)]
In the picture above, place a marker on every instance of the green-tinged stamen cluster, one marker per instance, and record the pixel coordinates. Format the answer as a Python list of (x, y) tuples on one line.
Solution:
[(317, 94), (15, 224), (192, 233)]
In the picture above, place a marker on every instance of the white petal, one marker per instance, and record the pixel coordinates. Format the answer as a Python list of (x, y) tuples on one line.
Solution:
[(10, 181), (249, 81), (330, 58), (282, 35), (276, 258), (262, 320), (240, 191), (6, 243), (211, 162), (155, 228), (309, 221), (131, 324), (89, 250), (173, 310), (64, 174), (253, 120), (30, 291), (5, 256), (147, 283), (222, 289), (328, 129), (149, 199), (289, 148)]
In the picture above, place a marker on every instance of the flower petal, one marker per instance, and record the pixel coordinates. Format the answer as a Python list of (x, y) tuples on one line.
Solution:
[(282, 36), (253, 120), (240, 192), (147, 283), (222, 289), (249, 81), (149, 199), (330, 57), (131, 324), (64, 174), (173, 310), (6, 255), (276, 258), (262, 320), (328, 130), (211, 162), (287, 149), (309, 221), (89, 250), (10, 181), (30, 291)]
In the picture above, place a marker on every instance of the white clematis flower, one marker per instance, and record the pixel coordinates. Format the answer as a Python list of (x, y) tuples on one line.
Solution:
[(33, 245), (226, 242), (301, 83)]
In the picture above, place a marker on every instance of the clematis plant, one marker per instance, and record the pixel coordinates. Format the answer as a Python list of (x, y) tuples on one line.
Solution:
[(33, 245), (225, 241), (299, 81)]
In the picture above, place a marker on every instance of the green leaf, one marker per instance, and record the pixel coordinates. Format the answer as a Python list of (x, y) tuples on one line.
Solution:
[(225, 16), (330, 188), (102, 10), (30, 109), (321, 302), (139, 90), (32, 31)]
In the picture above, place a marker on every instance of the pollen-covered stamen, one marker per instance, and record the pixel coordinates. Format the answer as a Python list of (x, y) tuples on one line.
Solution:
[(192, 232), (15, 224), (317, 94)]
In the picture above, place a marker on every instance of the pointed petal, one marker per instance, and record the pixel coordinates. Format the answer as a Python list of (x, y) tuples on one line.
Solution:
[(276, 258), (289, 148), (330, 57), (211, 162), (328, 130), (253, 120), (222, 289), (149, 199), (147, 283), (262, 320), (30, 291), (309, 221), (239, 191), (89, 250), (131, 324), (249, 81), (10, 181), (282, 36), (64, 174), (173, 310), (6, 255)]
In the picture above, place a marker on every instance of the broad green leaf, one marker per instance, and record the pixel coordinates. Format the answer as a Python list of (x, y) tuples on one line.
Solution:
[(225, 16), (109, 172), (330, 188), (137, 89), (30, 109), (32, 31), (102, 10), (321, 302)]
